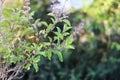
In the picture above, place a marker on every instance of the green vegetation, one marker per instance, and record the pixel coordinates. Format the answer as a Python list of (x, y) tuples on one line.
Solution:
[(24, 40), (35, 43)]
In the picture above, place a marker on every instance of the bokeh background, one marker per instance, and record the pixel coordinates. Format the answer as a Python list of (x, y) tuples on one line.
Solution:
[(97, 45)]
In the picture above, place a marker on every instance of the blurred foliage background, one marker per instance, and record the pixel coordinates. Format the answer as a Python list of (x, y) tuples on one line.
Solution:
[(97, 46)]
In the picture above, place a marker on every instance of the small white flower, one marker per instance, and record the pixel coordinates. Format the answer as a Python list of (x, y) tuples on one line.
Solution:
[(61, 9), (65, 5)]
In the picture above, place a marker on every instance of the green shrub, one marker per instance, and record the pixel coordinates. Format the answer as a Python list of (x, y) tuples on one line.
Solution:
[(24, 40)]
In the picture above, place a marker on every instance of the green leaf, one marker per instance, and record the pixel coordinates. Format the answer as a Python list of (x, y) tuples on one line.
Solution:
[(37, 21), (13, 59), (36, 47), (5, 23), (67, 22), (42, 53), (16, 17), (66, 28), (66, 34), (60, 56), (69, 41), (7, 11), (46, 44), (49, 54), (50, 39), (27, 66), (58, 29), (50, 27), (27, 31), (70, 47), (51, 14), (32, 13), (53, 20), (59, 35), (44, 23), (21, 57), (7, 54), (36, 59), (1, 50), (36, 67)]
